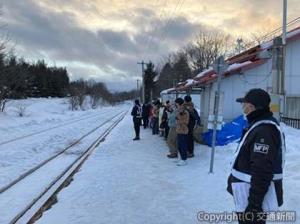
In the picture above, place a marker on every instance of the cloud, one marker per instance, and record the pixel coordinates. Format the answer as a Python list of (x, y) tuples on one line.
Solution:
[(58, 37), (105, 39)]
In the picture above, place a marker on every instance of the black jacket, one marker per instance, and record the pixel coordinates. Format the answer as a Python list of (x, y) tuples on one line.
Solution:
[(260, 162), (136, 113), (145, 110)]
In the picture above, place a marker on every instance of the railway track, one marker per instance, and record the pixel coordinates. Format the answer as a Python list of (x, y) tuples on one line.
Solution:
[(33, 169), (68, 122), (41, 201)]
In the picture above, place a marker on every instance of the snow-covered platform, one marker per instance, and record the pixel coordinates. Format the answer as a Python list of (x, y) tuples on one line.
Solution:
[(124, 181), (132, 182)]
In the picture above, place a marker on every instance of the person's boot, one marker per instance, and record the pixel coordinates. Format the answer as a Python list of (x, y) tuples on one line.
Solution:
[(190, 155), (136, 138), (172, 155)]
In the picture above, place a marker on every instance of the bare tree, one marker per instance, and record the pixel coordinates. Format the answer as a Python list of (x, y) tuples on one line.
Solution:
[(261, 36), (4, 90), (206, 48), (97, 93), (77, 96), (21, 110), (3, 97), (73, 103)]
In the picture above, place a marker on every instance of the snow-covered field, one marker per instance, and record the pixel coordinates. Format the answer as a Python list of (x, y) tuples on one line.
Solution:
[(126, 181)]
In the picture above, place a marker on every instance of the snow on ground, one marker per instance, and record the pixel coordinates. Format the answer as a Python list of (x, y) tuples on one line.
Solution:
[(16, 199), (18, 156), (134, 182), (39, 113), (126, 181)]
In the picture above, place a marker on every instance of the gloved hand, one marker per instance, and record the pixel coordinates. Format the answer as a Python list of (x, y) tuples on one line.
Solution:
[(254, 214), (253, 208)]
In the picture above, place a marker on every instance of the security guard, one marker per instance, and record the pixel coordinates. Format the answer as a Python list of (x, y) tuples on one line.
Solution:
[(136, 114), (256, 175)]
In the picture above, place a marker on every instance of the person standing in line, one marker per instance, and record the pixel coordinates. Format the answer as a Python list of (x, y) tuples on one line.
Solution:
[(256, 175), (161, 123), (136, 113), (151, 105), (172, 135), (155, 114), (145, 115), (188, 104), (165, 119), (182, 120)]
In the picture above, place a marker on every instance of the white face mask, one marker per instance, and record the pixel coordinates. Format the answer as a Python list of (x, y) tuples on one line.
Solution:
[(248, 108)]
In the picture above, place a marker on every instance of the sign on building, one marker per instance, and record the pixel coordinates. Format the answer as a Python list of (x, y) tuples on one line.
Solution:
[(212, 109)]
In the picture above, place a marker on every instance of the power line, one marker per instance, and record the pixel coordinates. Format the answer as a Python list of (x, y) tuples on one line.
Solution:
[(269, 35), (171, 19), (150, 37), (176, 9), (280, 28)]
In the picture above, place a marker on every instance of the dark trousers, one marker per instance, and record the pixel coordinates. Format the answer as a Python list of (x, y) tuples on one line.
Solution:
[(155, 129), (190, 142), (137, 128), (145, 122), (167, 128), (182, 145), (248, 218)]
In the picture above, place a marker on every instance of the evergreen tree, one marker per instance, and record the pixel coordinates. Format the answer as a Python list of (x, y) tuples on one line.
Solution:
[(181, 69), (166, 79), (149, 84)]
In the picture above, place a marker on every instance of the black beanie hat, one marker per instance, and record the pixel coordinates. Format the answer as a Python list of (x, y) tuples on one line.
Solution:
[(258, 97), (179, 100), (187, 98)]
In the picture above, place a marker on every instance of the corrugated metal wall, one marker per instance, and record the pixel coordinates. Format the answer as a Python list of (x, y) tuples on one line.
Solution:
[(292, 107)]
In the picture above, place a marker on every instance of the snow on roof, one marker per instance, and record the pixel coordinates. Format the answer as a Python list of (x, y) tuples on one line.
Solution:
[(166, 91), (210, 75), (204, 72), (189, 82), (245, 60), (237, 65)]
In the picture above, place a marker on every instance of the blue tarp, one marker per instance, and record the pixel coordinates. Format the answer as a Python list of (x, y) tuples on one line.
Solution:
[(229, 133)]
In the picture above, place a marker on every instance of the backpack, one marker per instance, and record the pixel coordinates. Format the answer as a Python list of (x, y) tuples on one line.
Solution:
[(197, 117), (194, 119)]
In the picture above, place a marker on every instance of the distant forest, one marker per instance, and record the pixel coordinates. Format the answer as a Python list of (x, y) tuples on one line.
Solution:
[(20, 79)]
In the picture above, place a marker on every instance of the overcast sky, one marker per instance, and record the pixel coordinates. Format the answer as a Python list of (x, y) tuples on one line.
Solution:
[(104, 39)]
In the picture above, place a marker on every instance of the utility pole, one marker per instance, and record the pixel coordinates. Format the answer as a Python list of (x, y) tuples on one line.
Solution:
[(276, 66), (137, 88), (219, 66), (282, 80), (143, 80), (277, 78), (278, 69), (284, 22), (239, 44)]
